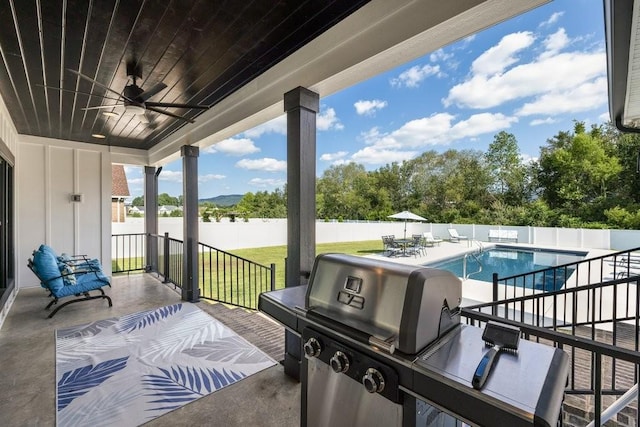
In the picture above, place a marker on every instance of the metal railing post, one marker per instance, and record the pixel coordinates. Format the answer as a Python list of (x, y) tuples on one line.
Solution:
[(494, 308), (166, 258), (273, 276)]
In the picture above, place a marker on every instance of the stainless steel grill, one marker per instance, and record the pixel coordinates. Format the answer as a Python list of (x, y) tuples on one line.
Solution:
[(383, 345), (399, 307)]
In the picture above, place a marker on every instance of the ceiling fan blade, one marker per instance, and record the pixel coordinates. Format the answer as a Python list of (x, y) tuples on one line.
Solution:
[(171, 104), (77, 73), (154, 89), (166, 113), (102, 106), (78, 91)]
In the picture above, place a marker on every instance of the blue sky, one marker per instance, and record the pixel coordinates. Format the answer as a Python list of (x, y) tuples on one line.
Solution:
[(530, 76)]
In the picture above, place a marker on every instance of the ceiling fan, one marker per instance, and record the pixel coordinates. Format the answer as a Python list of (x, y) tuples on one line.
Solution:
[(135, 100)]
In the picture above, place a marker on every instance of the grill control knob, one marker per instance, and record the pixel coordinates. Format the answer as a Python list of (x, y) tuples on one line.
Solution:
[(339, 362), (373, 381), (312, 347)]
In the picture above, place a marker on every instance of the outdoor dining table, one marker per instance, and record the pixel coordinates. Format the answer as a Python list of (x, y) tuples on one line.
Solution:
[(404, 243)]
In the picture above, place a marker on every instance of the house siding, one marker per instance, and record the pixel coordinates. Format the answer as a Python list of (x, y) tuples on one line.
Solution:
[(48, 172)]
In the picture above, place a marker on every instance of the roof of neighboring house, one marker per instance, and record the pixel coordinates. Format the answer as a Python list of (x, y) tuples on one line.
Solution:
[(120, 187)]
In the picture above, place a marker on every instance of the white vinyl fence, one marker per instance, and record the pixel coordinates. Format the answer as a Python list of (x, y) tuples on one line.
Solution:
[(273, 232)]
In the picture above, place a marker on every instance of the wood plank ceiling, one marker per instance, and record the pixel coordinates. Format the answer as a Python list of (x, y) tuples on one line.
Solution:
[(202, 50)]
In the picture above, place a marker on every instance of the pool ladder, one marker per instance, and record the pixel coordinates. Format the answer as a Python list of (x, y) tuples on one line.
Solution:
[(475, 254)]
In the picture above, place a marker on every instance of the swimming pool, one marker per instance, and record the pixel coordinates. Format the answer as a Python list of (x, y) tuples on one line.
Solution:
[(511, 261)]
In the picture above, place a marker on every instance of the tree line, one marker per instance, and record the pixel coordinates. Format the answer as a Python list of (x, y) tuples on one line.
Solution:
[(583, 178)]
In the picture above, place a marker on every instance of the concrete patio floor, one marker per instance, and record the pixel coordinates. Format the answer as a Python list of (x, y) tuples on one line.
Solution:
[(268, 398)]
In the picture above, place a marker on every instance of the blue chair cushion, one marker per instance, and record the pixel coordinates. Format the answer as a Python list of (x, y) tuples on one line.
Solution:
[(86, 282), (46, 265)]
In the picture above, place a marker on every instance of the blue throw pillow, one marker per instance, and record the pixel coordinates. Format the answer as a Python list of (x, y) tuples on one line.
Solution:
[(46, 248), (47, 267)]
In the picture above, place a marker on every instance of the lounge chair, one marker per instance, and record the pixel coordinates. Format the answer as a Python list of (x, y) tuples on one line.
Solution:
[(61, 280), (431, 241), (454, 237)]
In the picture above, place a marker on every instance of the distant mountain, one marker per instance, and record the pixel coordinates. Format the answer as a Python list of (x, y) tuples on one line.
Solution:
[(224, 200)]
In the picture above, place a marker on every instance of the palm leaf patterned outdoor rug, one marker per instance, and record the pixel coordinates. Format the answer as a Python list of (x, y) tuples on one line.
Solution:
[(126, 371)]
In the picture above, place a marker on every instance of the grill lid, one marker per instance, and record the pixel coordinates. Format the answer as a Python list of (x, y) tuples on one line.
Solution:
[(405, 306)]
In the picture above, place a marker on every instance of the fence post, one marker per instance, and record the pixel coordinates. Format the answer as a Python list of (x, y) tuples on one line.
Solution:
[(166, 258), (273, 276), (494, 308)]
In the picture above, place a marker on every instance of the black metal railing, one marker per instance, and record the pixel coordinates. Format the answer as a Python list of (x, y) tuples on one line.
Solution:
[(598, 360), (232, 279), (593, 270), (605, 312), (223, 276), (598, 324), (170, 259), (128, 252)]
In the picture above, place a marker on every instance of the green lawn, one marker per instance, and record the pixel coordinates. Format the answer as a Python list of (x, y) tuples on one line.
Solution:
[(226, 279), (277, 254)]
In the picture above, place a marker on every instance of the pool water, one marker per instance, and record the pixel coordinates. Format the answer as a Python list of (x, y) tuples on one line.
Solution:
[(509, 262)]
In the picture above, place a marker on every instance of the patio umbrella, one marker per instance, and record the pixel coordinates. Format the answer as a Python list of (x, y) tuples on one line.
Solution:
[(407, 215)]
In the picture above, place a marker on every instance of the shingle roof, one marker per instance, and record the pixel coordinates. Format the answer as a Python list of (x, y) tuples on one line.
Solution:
[(120, 187)]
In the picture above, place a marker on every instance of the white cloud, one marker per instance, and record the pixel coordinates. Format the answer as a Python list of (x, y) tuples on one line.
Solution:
[(499, 57), (570, 70), (377, 156), (135, 182), (438, 129), (547, 121), (370, 136), (266, 164), (415, 75), (584, 97), (233, 147), (277, 125), (552, 19), (554, 43), (440, 55), (525, 159), (170, 176), (479, 124), (604, 117), (332, 157), (210, 177), (369, 108), (133, 170), (328, 120), (266, 182)]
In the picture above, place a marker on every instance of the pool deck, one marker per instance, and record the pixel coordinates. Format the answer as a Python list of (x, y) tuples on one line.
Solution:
[(476, 291)]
